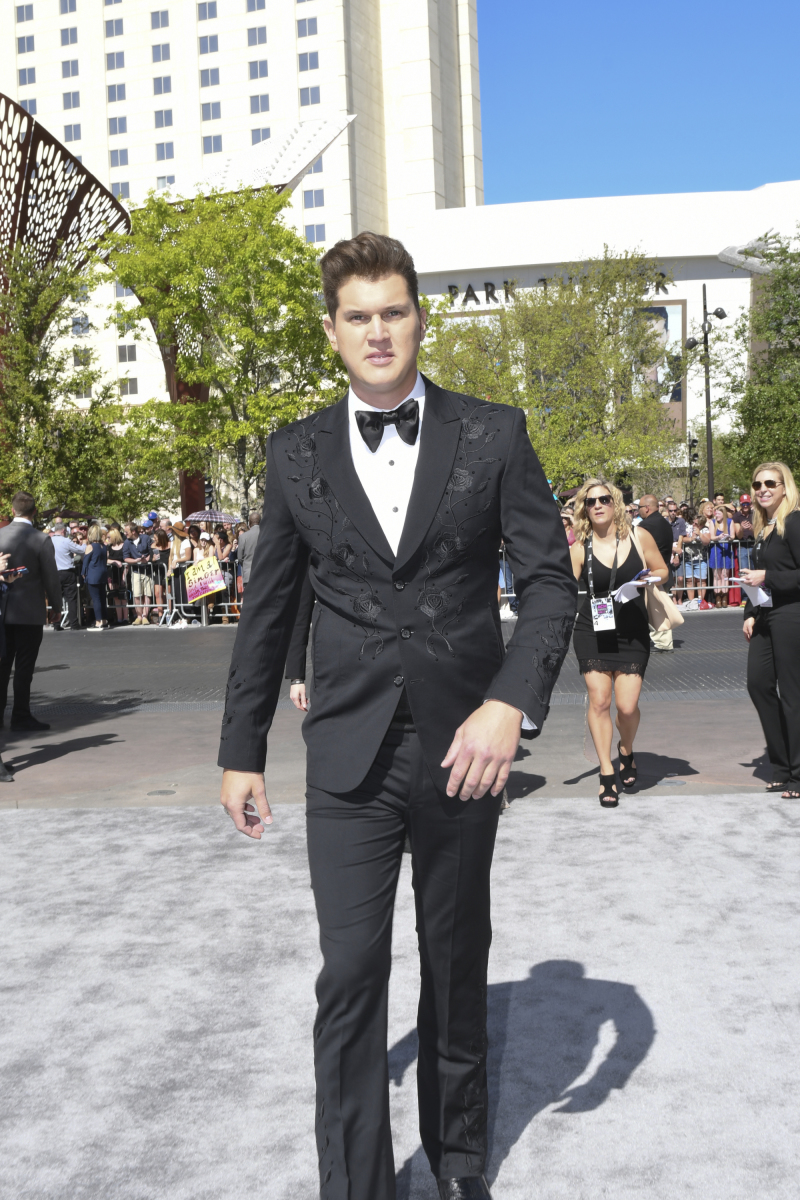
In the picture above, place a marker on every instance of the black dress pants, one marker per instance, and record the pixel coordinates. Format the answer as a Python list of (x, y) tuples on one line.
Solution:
[(22, 650), (69, 590), (355, 847), (773, 665)]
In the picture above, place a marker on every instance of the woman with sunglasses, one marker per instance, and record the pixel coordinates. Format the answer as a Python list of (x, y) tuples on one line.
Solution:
[(611, 640), (773, 628)]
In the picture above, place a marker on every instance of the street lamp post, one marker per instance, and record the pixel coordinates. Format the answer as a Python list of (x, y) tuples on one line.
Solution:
[(691, 344)]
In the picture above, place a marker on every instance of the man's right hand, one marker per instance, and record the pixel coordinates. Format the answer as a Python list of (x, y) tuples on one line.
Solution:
[(244, 799)]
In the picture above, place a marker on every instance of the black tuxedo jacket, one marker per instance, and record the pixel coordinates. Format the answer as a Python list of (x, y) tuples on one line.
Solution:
[(426, 619)]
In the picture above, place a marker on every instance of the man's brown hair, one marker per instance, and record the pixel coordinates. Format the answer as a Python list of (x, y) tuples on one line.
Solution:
[(23, 504), (366, 256)]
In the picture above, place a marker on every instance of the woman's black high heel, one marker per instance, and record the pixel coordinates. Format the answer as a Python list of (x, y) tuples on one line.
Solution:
[(608, 798), (626, 768)]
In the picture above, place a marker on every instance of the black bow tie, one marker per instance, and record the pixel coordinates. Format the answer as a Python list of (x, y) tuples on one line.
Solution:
[(372, 424)]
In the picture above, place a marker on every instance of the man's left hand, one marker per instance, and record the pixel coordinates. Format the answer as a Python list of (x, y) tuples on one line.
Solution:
[(483, 750)]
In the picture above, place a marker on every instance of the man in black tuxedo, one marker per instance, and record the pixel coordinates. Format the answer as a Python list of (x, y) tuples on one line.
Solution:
[(395, 501)]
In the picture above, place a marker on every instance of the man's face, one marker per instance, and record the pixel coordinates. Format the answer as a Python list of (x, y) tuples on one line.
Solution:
[(377, 331), (719, 498), (645, 509), (672, 511), (164, 524)]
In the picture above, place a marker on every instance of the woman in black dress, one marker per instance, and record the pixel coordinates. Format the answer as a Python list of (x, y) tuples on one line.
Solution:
[(611, 640), (773, 631)]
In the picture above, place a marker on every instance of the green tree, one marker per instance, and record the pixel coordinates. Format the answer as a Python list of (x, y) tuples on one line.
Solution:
[(583, 357), (232, 296), (758, 366), (66, 453)]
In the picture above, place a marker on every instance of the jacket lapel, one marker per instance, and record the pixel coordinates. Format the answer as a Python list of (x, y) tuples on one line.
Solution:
[(439, 434), (332, 438)]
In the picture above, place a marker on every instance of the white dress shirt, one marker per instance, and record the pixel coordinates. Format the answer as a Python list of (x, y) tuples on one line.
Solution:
[(387, 476)]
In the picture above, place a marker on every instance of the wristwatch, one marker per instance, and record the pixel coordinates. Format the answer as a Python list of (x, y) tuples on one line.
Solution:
[(294, 681)]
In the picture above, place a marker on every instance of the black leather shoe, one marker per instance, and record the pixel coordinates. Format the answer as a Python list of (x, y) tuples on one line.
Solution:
[(474, 1187), (28, 723)]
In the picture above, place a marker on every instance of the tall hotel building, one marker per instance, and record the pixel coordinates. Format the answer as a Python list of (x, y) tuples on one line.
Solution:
[(157, 93)]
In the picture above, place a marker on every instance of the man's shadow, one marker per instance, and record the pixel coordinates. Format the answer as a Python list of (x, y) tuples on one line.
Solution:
[(553, 1037)]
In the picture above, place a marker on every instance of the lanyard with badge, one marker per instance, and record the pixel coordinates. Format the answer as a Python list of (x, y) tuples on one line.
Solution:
[(602, 607)]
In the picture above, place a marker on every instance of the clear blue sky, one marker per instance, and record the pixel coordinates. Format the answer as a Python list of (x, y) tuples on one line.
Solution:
[(616, 97)]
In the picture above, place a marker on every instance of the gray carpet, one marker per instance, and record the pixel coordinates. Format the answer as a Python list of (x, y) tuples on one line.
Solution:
[(157, 998)]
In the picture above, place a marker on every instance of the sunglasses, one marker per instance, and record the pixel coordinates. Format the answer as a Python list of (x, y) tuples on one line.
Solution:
[(592, 500), (765, 484)]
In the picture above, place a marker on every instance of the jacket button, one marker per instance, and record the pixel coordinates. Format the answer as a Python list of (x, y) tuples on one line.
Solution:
[(399, 585), (405, 633), (398, 681)]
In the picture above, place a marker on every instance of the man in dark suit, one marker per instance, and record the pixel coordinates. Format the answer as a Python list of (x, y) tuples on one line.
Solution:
[(661, 531), (246, 546), (395, 501), (26, 607)]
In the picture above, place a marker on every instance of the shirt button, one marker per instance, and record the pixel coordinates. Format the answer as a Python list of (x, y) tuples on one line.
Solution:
[(398, 681), (394, 510), (391, 462), (399, 585), (405, 633)]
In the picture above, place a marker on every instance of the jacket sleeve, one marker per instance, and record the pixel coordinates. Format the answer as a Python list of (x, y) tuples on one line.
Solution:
[(545, 586), (298, 646), (781, 580), (50, 579), (268, 613)]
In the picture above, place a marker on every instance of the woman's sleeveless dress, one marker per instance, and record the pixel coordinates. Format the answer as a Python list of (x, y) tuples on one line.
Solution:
[(625, 649)]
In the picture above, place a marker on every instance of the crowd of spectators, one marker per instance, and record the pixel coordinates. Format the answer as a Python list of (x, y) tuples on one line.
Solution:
[(711, 544), (133, 574)]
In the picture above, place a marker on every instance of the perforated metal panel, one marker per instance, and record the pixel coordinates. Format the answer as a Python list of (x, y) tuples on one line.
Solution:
[(48, 200)]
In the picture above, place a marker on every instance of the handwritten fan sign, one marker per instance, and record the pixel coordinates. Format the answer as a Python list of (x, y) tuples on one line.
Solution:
[(203, 578)]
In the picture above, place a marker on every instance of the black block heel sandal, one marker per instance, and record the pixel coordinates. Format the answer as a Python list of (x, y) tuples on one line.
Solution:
[(626, 768), (608, 798)]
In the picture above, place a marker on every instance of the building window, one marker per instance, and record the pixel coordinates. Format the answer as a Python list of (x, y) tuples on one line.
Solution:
[(121, 190), (80, 325), (25, 13), (316, 167), (207, 12), (209, 77), (29, 106), (210, 44), (259, 104), (116, 91), (117, 125), (258, 70), (309, 62), (164, 150), (121, 292), (212, 145), (115, 62), (309, 96), (161, 53), (72, 99), (27, 75), (163, 118), (113, 28), (159, 20), (162, 84), (112, 2), (314, 198), (258, 135), (86, 394), (258, 36), (70, 36), (72, 133), (255, 5), (315, 233), (119, 158), (68, 6), (129, 387), (164, 181), (213, 111), (69, 68), (307, 27), (25, 45), (126, 354)]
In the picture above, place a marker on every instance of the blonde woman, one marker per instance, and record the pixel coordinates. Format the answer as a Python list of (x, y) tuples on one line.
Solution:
[(94, 569), (612, 641), (773, 631)]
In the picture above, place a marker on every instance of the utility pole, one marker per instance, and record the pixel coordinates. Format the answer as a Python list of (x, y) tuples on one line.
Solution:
[(691, 344)]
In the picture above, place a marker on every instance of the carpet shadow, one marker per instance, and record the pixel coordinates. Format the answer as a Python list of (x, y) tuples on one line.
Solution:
[(655, 767), (523, 783), (760, 767), (554, 1037)]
